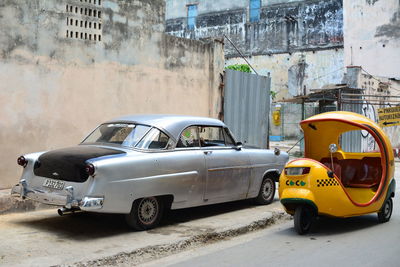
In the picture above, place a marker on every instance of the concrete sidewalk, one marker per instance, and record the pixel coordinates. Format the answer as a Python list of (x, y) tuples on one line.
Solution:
[(43, 238)]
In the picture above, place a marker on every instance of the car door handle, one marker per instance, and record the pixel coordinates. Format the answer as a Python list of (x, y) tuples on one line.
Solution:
[(207, 152)]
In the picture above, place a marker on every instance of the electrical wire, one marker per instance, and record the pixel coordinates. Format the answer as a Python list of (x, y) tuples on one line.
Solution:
[(378, 79), (326, 74)]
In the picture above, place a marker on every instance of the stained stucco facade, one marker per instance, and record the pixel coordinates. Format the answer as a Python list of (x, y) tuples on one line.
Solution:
[(66, 66), (297, 73), (372, 44), (300, 43), (372, 36)]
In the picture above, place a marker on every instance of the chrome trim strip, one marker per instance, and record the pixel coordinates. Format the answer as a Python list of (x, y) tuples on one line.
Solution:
[(159, 176), (240, 167), (229, 168), (47, 198)]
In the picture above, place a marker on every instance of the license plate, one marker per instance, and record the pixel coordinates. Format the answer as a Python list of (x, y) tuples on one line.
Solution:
[(55, 184)]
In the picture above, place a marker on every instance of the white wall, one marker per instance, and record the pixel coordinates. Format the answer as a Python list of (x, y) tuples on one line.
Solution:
[(372, 36), (321, 68)]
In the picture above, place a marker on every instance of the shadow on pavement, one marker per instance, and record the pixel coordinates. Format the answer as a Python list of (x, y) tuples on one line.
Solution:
[(332, 226), (184, 215), (325, 226), (79, 226), (85, 225)]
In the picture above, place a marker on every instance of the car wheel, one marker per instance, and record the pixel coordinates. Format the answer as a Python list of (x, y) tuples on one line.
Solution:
[(386, 212), (303, 219), (145, 214), (267, 192)]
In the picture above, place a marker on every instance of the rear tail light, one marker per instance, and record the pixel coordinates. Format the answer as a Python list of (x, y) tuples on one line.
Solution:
[(22, 161), (297, 170), (90, 169)]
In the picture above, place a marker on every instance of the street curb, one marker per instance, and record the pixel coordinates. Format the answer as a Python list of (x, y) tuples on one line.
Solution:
[(145, 254)]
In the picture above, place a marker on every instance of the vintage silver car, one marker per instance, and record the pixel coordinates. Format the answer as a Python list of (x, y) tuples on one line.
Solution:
[(141, 165)]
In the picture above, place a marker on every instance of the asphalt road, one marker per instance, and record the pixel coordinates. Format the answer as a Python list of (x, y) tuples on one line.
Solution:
[(358, 241)]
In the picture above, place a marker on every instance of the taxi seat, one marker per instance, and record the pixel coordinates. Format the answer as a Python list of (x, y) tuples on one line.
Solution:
[(337, 169), (360, 173), (351, 170)]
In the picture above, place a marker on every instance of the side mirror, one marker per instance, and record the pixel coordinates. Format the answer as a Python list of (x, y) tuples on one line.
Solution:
[(239, 146), (277, 152), (333, 148)]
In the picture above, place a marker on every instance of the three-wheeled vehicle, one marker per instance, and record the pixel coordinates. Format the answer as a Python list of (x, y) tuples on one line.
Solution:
[(337, 178)]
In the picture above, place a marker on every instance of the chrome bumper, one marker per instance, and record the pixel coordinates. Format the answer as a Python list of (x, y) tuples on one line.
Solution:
[(51, 198)]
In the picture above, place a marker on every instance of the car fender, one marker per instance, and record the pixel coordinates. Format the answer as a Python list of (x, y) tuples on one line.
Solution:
[(293, 197)]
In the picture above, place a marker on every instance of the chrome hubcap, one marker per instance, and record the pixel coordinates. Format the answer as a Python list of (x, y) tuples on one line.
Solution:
[(387, 210), (267, 189), (148, 210)]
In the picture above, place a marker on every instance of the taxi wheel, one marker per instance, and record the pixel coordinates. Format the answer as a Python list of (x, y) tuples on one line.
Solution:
[(303, 219), (386, 212), (145, 214), (267, 191)]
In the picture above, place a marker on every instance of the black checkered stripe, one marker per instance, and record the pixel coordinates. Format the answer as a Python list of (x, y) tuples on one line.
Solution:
[(327, 182)]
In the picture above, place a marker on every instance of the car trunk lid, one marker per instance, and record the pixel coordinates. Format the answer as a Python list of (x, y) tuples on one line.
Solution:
[(68, 164)]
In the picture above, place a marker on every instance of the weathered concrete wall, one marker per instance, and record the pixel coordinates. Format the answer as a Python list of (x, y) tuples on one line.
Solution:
[(372, 36), (178, 8), (54, 89), (380, 92), (297, 73), (300, 43), (384, 87), (284, 26), (372, 41)]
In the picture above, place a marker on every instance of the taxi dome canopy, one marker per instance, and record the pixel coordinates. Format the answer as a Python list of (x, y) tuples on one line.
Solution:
[(324, 129)]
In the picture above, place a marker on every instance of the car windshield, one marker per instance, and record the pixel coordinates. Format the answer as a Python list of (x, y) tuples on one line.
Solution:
[(124, 134)]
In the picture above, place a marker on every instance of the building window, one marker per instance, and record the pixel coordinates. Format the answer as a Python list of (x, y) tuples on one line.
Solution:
[(90, 28), (255, 6), (192, 14)]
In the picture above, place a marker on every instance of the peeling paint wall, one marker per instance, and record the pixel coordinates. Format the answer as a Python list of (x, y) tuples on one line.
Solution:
[(300, 43), (284, 26), (178, 8), (55, 89), (372, 36), (387, 89), (383, 87), (297, 73), (372, 41)]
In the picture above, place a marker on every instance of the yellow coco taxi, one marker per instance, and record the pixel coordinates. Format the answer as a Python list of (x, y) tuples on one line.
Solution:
[(332, 182)]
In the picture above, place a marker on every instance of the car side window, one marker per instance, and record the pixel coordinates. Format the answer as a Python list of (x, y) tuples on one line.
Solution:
[(228, 138), (154, 139), (135, 135), (189, 138), (211, 136)]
